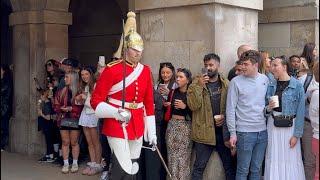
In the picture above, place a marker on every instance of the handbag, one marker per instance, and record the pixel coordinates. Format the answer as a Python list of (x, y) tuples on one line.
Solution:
[(69, 122), (167, 114), (283, 121)]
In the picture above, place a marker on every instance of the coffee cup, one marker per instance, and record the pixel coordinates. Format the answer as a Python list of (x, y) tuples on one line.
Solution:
[(217, 117), (276, 100)]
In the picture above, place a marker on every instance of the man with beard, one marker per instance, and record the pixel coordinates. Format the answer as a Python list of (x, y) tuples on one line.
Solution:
[(207, 100), (294, 65), (125, 125)]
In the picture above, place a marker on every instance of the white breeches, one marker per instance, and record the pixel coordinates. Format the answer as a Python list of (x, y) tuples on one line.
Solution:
[(125, 150)]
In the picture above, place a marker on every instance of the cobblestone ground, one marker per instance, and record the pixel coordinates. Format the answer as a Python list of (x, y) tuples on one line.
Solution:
[(21, 167)]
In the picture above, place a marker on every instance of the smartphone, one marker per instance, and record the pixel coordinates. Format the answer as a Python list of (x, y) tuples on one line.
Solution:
[(204, 71), (39, 88), (162, 85)]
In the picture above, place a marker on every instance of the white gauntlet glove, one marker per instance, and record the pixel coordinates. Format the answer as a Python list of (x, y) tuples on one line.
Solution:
[(105, 110), (123, 115), (150, 131)]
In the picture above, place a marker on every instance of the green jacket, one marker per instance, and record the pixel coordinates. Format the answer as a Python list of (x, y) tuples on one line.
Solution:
[(198, 99)]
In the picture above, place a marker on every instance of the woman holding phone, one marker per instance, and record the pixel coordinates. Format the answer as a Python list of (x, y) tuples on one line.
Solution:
[(178, 135), (166, 79)]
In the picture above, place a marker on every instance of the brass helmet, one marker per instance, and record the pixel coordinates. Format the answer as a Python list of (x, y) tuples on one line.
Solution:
[(133, 40)]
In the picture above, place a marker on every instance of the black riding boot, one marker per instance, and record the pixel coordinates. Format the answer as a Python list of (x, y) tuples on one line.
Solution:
[(117, 173)]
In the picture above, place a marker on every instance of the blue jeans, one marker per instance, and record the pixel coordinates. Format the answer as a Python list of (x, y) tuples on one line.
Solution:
[(251, 148)]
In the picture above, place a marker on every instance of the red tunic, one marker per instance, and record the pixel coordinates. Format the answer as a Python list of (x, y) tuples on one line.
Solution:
[(141, 90)]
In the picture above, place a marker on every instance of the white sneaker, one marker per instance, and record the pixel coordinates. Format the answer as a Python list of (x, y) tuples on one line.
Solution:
[(74, 168), (65, 169)]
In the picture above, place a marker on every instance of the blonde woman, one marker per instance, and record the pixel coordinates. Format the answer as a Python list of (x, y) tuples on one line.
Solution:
[(68, 106)]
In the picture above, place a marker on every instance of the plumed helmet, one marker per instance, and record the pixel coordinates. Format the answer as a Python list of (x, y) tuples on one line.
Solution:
[(130, 25), (134, 40)]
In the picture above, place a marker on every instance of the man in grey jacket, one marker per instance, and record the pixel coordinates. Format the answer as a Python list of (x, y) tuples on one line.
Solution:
[(245, 118)]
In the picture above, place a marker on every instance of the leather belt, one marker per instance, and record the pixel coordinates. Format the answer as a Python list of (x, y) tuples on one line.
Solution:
[(126, 104)]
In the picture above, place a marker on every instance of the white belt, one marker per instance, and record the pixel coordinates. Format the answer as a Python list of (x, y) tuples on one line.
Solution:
[(126, 104)]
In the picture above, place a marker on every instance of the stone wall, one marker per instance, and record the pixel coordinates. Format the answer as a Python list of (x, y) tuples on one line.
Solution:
[(184, 34), (286, 26)]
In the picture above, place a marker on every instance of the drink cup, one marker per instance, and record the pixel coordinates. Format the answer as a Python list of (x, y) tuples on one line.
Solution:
[(217, 117), (276, 100)]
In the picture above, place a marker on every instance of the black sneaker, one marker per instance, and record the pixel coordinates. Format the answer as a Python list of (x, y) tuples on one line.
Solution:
[(50, 160), (46, 159)]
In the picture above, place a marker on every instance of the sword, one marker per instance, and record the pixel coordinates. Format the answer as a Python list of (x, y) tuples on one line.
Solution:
[(155, 148), (123, 124)]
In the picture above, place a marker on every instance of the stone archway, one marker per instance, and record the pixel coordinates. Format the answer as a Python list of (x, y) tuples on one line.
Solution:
[(39, 32), (96, 29)]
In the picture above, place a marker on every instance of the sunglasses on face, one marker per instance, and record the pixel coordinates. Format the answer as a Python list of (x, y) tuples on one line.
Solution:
[(49, 64)]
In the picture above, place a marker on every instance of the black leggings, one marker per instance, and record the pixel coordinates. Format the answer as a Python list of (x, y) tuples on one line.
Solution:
[(48, 131)]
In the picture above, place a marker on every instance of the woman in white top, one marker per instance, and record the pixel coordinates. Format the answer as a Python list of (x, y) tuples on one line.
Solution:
[(89, 122), (314, 115)]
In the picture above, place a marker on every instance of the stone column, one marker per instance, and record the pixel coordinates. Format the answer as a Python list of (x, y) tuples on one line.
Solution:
[(40, 32), (182, 32), (285, 26)]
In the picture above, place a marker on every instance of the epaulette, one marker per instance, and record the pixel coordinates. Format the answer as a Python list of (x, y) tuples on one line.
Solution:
[(112, 63)]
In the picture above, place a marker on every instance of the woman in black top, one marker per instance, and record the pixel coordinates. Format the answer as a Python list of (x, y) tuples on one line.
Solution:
[(178, 135)]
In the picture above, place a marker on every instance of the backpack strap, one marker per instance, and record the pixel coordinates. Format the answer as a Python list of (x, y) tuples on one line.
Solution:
[(307, 81)]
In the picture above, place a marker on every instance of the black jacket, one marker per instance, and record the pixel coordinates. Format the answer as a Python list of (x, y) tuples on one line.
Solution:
[(159, 109), (6, 95)]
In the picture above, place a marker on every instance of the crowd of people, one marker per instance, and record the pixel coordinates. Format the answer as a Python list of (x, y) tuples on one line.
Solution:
[(262, 120)]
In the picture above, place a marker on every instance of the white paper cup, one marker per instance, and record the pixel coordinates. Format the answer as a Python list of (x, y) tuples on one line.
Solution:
[(276, 100), (217, 117)]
